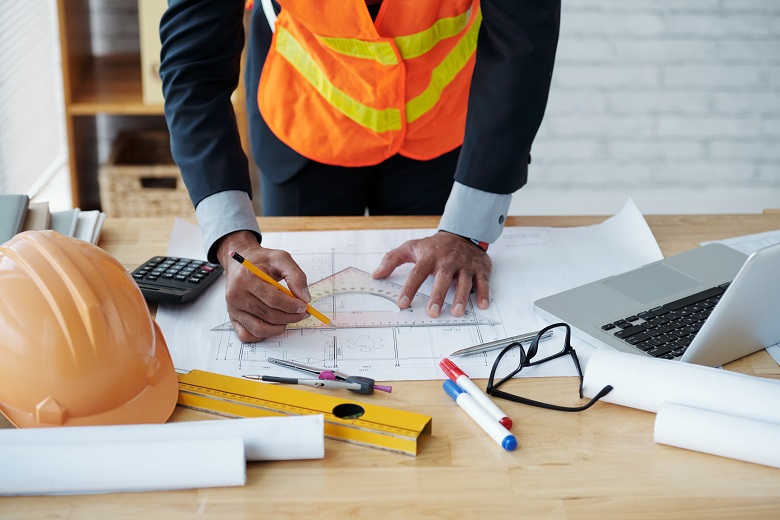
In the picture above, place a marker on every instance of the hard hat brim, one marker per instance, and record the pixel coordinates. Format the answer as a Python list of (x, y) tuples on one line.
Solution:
[(153, 405)]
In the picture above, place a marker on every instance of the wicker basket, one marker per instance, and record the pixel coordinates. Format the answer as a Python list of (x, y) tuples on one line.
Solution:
[(140, 178)]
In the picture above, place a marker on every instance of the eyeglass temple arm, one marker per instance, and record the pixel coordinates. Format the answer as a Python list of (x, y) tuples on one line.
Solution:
[(522, 400)]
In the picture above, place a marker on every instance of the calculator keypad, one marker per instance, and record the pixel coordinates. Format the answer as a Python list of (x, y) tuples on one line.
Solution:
[(164, 278)]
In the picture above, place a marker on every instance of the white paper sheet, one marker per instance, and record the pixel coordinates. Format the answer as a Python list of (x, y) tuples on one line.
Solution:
[(750, 243), (528, 263), (718, 434), (646, 383), (108, 467), (265, 438)]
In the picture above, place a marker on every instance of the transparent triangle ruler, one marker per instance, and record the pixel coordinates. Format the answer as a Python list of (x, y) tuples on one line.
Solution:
[(357, 282)]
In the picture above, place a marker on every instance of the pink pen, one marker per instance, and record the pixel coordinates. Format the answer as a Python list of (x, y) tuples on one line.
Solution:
[(457, 375)]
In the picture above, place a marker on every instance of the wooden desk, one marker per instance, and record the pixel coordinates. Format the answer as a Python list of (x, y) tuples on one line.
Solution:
[(597, 464)]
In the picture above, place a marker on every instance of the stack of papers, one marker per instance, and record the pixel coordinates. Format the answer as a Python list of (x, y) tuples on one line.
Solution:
[(18, 213)]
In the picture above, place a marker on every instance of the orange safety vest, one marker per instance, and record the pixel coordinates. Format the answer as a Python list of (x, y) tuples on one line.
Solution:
[(342, 89)]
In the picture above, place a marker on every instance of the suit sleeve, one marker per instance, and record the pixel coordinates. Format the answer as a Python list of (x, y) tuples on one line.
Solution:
[(512, 76), (202, 42)]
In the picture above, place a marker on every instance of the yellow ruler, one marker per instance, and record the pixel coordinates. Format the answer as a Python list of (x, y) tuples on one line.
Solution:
[(345, 419)]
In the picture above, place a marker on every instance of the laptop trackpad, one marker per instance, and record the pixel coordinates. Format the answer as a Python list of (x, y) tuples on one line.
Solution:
[(651, 283)]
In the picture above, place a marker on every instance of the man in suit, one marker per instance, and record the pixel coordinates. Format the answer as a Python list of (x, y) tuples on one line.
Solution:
[(391, 107)]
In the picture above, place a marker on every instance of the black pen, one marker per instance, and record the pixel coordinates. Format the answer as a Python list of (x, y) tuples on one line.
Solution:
[(499, 343), (315, 383)]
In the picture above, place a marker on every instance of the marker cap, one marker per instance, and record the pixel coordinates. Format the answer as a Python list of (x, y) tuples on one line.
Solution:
[(452, 389), (509, 443), (450, 369)]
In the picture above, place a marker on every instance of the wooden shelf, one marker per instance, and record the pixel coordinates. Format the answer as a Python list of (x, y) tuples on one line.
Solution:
[(111, 85), (98, 82)]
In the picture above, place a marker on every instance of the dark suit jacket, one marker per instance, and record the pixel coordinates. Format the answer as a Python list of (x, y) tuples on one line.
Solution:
[(201, 48)]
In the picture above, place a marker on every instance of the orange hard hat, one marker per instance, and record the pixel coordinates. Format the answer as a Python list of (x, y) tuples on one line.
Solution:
[(78, 345)]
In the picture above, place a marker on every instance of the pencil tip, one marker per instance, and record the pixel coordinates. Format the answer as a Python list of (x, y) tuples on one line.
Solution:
[(235, 256)]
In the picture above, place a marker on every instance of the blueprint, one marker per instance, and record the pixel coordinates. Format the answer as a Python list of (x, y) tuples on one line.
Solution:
[(528, 263)]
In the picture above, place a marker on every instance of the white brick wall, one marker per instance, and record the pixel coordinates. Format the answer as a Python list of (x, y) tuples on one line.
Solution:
[(649, 92)]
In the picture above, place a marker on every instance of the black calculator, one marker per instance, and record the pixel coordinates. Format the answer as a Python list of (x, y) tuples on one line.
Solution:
[(171, 279)]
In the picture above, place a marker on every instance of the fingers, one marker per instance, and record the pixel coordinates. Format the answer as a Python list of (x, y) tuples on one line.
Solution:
[(248, 294), (482, 288), (260, 330), (462, 293), (258, 309), (441, 284), (402, 254), (417, 276), (282, 264), (449, 259), (463, 283)]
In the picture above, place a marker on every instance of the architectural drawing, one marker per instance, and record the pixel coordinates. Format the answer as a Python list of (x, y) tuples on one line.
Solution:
[(528, 263), (369, 333)]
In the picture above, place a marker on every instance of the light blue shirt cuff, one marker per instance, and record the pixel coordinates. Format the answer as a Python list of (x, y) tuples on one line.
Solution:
[(223, 213), (474, 213)]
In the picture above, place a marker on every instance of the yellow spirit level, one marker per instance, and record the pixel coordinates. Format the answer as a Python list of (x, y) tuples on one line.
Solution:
[(345, 420)]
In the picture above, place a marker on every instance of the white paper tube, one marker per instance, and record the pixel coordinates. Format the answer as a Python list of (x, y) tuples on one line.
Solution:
[(265, 438), (646, 383), (109, 467), (718, 434)]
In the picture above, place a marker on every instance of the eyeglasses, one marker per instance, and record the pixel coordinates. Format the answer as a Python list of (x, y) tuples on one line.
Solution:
[(525, 360)]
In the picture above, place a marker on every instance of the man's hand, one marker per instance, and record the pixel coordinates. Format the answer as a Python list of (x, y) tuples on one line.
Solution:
[(257, 309), (448, 257)]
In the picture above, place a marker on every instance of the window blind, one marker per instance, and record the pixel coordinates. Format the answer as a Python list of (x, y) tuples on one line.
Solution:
[(32, 127)]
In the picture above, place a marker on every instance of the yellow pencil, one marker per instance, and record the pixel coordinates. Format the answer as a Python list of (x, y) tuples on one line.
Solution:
[(260, 274)]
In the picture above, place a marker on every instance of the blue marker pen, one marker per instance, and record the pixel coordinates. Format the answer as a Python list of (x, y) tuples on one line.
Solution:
[(497, 432)]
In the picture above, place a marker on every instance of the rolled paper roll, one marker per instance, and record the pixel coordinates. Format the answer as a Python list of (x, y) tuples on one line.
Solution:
[(718, 434), (646, 383), (265, 438), (110, 467)]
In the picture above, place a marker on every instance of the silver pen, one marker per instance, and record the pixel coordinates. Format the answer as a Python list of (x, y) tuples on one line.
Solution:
[(499, 343)]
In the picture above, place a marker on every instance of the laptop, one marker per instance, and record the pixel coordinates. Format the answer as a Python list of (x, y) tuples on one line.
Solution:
[(707, 306)]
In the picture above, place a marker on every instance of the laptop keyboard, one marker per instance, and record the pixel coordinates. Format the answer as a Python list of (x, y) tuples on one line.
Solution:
[(666, 331)]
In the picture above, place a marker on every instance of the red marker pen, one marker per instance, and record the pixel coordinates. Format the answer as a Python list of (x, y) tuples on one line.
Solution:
[(452, 371)]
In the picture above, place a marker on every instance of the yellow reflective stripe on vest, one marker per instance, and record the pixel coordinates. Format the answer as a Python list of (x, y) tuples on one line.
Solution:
[(410, 46), (381, 52), (444, 73), (385, 120), (415, 45)]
